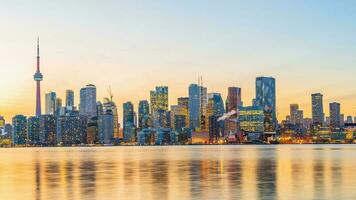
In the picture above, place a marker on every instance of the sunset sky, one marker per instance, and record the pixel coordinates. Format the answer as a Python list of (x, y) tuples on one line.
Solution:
[(133, 46)]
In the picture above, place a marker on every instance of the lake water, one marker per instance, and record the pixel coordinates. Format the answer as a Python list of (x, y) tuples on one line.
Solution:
[(179, 172)]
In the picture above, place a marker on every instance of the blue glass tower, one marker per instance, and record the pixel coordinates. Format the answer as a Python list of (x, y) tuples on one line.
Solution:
[(266, 98)]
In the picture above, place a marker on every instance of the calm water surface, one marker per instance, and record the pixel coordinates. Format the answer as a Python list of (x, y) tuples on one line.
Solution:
[(180, 172)]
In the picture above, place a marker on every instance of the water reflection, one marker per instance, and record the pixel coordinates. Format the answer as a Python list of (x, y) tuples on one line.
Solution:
[(182, 172)]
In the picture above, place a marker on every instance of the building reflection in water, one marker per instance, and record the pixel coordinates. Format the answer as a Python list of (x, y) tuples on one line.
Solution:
[(182, 172)]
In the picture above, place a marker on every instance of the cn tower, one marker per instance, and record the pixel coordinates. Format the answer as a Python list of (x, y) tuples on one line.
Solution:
[(38, 77)]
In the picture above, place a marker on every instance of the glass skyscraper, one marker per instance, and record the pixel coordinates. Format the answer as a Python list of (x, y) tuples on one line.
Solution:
[(19, 130), (33, 129), (69, 98), (266, 98), (335, 114), (87, 104), (50, 105), (128, 120), (143, 114), (194, 106), (317, 108)]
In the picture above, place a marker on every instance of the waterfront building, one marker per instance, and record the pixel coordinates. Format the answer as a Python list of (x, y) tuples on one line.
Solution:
[(93, 131), (161, 119), (19, 131), (69, 98), (349, 120), (183, 102), (50, 105), (143, 114), (33, 129), (335, 118), (159, 99), (128, 120), (233, 98), (88, 106), (194, 106), (72, 129), (48, 130), (106, 127), (293, 112), (110, 106), (251, 119), (317, 108), (266, 98), (2, 122)]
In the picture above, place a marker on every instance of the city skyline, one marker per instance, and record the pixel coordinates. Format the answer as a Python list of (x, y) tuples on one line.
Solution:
[(229, 53)]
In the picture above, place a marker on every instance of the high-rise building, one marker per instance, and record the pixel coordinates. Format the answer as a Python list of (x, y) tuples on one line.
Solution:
[(349, 120), (178, 110), (334, 109), (159, 99), (19, 130), (88, 105), (217, 103), (293, 112), (38, 77), (143, 114), (33, 129), (317, 108), (251, 119), (48, 130), (194, 106), (342, 120), (183, 102), (60, 110), (233, 98), (266, 98), (110, 106), (50, 105), (72, 129), (2, 122), (93, 131), (69, 98), (128, 120), (106, 127)]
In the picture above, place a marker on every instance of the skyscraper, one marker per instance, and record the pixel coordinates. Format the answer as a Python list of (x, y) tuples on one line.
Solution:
[(317, 108), (88, 105), (48, 130), (33, 129), (194, 106), (69, 98), (50, 105), (266, 98), (38, 77), (293, 112), (110, 106), (19, 132), (334, 109), (128, 120), (143, 114), (233, 98), (159, 99)]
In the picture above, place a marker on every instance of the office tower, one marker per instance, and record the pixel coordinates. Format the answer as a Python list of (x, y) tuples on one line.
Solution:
[(251, 119), (349, 120), (143, 114), (38, 77), (69, 98), (48, 130), (60, 110), (72, 129), (2, 122), (183, 102), (293, 112), (106, 127), (342, 120), (110, 106), (88, 105), (135, 119), (93, 131), (317, 108), (178, 110), (161, 119), (33, 129), (159, 99), (217, 104), (233, 98), (50, 105), (299, 117), (266, 98), (128, 120), (179, 122), (334, 109), (19, 131), (194, 106)]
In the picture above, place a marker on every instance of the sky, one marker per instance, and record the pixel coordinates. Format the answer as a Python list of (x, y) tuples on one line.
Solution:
[(133, 46)]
